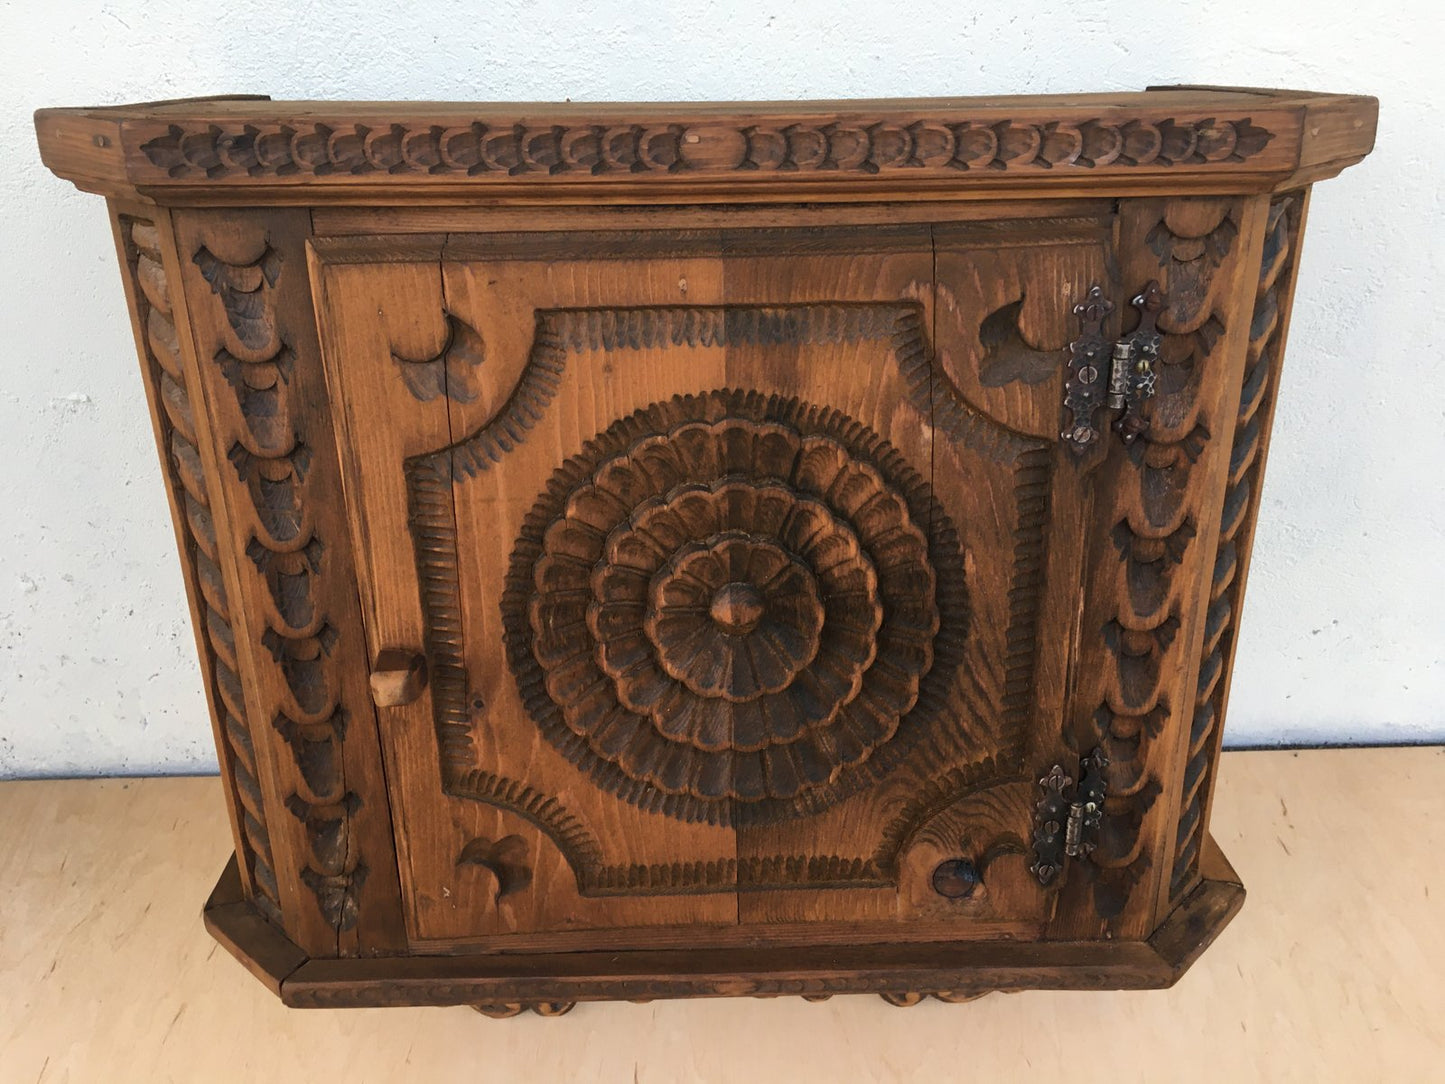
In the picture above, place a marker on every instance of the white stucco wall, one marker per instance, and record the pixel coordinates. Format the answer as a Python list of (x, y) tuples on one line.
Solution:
[(1343, 633)]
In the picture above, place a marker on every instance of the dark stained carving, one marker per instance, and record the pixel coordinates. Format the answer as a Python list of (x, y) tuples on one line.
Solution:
[(272, 463), (507, 148), (239, 286), (1192, 239), (1152, 531), (316, 748), (596, 879), (337, 894), (261, 387), (731, 608), (1190, 245), (1149, 562), (449, 371), (1007, 357), (288, 576), (506, 859), (274, 484)]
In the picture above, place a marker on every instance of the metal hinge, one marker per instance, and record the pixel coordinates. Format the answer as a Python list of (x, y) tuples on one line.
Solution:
[(1121, 378), (1067, 825)]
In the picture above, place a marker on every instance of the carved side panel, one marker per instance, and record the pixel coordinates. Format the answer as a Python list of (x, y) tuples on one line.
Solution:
[(1153, 528), (299, 629), (174, 409), (1269, 321)]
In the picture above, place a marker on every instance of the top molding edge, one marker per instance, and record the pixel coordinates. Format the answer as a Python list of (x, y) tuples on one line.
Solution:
[(1258, 138)]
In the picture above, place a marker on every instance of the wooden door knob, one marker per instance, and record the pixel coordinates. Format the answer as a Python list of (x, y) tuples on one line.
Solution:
[(397, 677)]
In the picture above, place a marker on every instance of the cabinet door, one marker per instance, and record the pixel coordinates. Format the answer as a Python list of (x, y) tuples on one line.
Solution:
[(737, 563)]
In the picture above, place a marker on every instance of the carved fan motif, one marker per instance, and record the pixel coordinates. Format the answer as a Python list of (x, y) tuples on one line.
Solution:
[(735, 608)]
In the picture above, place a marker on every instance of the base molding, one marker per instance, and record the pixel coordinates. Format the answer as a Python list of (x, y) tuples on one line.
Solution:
[(904, 973)]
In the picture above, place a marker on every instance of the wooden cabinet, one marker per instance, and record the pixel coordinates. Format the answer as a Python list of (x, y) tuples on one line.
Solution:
[(793, 549)]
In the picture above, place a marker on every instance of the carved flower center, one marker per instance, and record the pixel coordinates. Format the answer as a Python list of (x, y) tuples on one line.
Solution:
[(737, 608)]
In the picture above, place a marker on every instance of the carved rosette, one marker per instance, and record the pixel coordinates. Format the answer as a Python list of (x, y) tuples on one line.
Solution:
[(729, 604)]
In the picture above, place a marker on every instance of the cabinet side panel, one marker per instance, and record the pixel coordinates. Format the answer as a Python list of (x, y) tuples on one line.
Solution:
[(141, 234), (1154, 522), (297, 615), (1274, 296)]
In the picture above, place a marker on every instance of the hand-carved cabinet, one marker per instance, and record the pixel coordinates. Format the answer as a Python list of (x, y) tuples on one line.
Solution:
[(650, 551)]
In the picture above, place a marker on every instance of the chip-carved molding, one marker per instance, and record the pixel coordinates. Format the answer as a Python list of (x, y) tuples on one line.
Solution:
[(502, 148)]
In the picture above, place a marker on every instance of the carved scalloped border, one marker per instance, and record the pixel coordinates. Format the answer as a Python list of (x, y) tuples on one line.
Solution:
[(1151, 525), (510, 149), (1241, 505), (271, 460)]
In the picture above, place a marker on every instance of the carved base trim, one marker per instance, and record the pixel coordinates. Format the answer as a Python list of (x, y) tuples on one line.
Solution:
[(950, 971), (953, 997), (504, 1009)]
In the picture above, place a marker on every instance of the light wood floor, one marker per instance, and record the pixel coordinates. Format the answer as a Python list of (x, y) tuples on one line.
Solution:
[(1335, 970)]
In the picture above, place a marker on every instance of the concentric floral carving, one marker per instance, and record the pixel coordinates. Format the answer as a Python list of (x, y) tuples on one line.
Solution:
[(728, 604), (732, 617)]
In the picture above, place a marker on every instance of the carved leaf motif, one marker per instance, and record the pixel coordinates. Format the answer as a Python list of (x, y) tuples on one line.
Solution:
[(449, 372), (1007, 357), (338, 895), (317, 749), (242, 290), (1149, 562), (506, 858)]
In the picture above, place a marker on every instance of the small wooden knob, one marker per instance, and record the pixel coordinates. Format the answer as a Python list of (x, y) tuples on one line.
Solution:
[(397, 677), (956, 879)]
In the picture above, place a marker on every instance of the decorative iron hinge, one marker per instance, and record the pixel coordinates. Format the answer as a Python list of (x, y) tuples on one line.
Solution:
[(1067, 826), (1121, 378)]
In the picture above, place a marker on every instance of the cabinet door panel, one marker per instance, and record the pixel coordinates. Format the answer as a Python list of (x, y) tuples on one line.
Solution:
[(730, 594)]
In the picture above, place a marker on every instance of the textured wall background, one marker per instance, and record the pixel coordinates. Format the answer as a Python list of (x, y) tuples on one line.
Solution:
[(1343, 635)]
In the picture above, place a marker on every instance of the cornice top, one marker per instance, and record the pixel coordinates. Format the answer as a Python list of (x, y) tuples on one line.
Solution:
[(1253, 139)]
